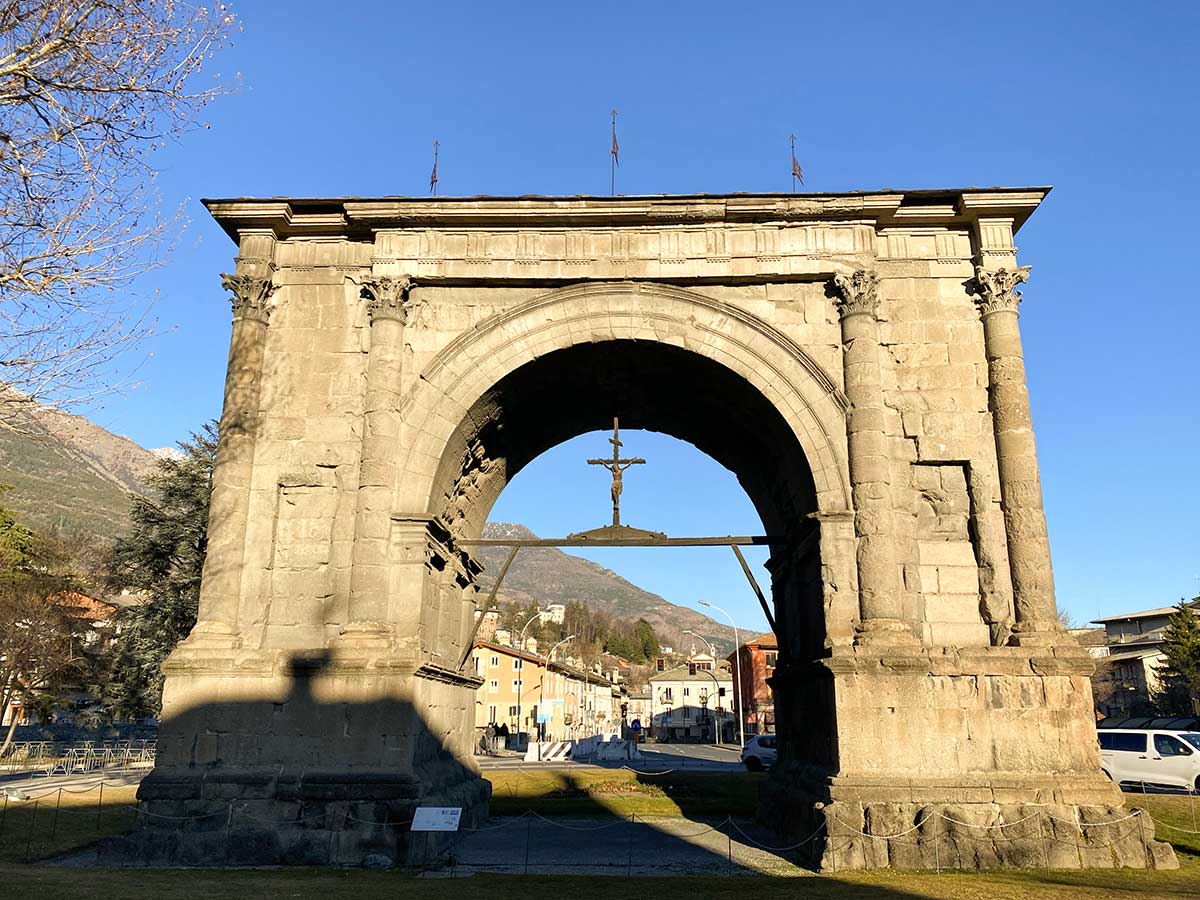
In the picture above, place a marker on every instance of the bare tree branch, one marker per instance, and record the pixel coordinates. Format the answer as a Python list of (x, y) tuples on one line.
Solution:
[(89, 91)]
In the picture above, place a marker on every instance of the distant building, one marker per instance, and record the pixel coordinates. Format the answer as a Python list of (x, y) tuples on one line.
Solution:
[(637, 706), (531, 694), (1127, 676), (688, 702), (756, 702), (489, 622), (555, 613)]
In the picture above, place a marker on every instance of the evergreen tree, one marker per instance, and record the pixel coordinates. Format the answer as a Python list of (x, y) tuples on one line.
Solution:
[(19, 546), (160, 557), (646, 641), (1179, 694)]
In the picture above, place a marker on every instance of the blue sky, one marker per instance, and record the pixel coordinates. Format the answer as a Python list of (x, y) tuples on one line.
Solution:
[(1099, 100)]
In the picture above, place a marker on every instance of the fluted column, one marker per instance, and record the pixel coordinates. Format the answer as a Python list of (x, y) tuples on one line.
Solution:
[(387, 300), (880, 605), (1016, 454), (221, 581)]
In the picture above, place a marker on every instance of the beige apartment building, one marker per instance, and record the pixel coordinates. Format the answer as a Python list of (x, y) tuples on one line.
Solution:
[(524, 691)]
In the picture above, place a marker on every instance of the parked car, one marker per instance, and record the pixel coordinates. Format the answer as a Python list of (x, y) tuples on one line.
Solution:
[(1143, 756), (760, 752)]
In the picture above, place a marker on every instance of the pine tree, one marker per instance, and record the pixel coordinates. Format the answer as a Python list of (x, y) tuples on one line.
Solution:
[(19, 546), (1180, 674), (160, 557)]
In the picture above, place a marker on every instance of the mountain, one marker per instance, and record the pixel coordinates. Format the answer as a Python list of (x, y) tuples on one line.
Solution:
[(545, 575), (68, 473)]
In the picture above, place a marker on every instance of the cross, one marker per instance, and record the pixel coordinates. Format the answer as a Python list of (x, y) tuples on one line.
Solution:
[(617, 466)]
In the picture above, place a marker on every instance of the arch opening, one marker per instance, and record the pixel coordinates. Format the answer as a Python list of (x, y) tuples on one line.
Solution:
[(652, 386), (663, 388)]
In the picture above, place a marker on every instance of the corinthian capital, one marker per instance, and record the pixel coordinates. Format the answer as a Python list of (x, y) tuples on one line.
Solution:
[(995, 291), (856, 293), (387, 297), (251, 296)]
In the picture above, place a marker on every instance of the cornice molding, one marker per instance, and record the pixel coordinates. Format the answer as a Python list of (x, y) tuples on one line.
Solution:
[(360, 217)]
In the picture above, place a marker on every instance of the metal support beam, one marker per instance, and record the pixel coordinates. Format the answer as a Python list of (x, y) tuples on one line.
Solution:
[(487, 608), (728, 541), (762, 601)]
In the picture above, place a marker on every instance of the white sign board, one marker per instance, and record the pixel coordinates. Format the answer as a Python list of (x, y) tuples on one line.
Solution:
[(436, 818)]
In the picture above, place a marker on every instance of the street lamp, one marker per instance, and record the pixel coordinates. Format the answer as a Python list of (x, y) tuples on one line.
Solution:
[(737, 669), (716, 684), (521, 676), (545, 673)]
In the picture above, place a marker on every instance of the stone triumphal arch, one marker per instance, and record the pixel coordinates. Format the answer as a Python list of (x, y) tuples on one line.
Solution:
[(854, 359)]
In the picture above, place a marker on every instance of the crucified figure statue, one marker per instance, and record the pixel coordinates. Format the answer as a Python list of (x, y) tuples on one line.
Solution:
[(617, 467)]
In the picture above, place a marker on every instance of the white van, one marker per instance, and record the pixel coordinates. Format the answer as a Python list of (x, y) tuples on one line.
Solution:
[(1165, 758)]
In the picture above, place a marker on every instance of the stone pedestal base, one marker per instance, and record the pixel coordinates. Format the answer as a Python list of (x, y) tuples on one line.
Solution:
[(1013, 821), (304, 758), (260, 818)]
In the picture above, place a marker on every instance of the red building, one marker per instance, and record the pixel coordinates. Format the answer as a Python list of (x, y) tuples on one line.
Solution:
[(756, 701)]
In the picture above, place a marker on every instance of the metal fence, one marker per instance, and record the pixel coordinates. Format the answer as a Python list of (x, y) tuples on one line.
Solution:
[(54, 758)]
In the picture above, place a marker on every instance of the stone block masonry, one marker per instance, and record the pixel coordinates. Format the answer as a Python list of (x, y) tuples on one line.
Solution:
[(854, 359)]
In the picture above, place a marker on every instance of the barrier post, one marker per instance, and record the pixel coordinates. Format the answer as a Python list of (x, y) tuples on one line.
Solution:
[(99, 807), (1141, 814), (937, 860), (4, 814), (54, 824), (1045, 845), (29, 839), (528, 837), (629, 861)]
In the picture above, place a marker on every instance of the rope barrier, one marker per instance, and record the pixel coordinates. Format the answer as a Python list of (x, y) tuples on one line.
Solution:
[(882, 837), (763, 846), (640, 772), (900, 837), (986, 827), (1082, 825), (538, 815), (511, 821)]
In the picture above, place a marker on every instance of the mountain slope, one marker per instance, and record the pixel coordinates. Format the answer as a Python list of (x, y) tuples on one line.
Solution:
[(548, 575), (69, 473)]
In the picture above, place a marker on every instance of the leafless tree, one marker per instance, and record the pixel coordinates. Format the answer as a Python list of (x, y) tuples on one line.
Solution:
[(40, 643), (90, 90)]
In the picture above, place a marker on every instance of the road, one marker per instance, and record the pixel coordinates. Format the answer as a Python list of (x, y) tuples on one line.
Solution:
[(693, 757), (26, 786)]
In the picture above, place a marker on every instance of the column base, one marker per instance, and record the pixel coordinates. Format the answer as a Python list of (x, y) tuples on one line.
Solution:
[(885, 633), (209, 635), (1035, 634), (271, 817), (979, 822)]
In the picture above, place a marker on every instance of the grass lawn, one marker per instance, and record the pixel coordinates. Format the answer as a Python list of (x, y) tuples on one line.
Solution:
[(32, 830), (569, 792), (579, 791), (45, 883)]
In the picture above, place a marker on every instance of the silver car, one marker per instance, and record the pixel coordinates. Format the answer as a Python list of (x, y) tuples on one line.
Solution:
[(759, 752)]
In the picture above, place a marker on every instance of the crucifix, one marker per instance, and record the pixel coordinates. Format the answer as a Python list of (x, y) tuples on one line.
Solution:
[(617, 466)]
